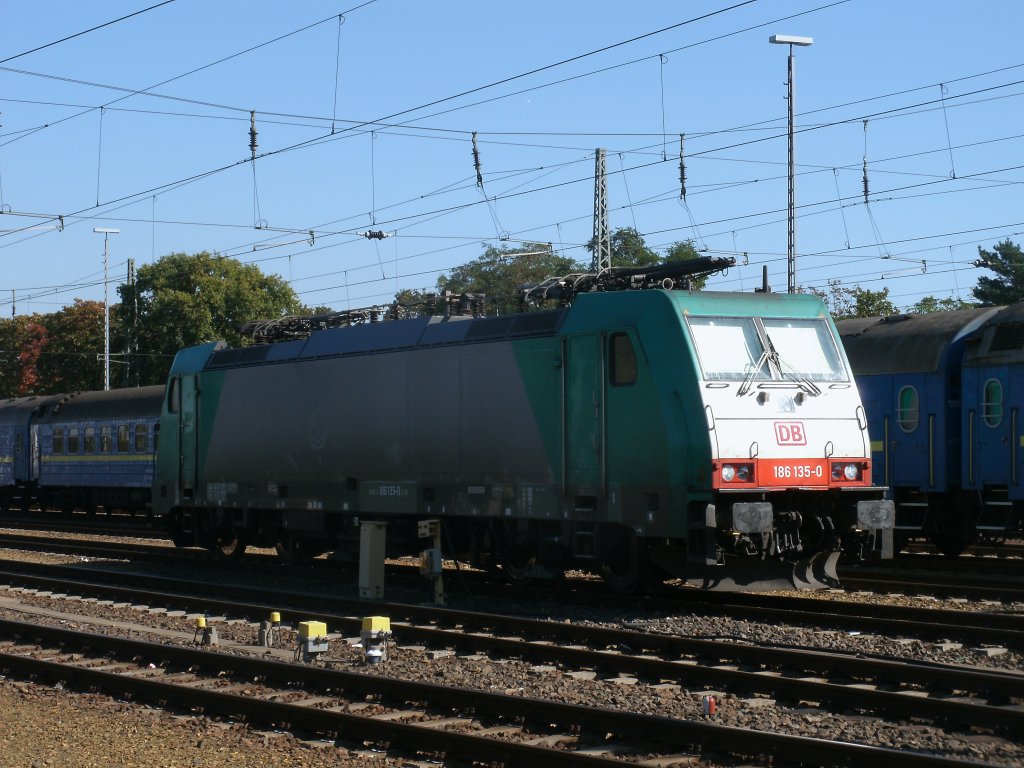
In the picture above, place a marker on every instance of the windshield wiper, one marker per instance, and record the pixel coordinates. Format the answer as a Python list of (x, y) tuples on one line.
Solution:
[(802, 381), (748, 380)]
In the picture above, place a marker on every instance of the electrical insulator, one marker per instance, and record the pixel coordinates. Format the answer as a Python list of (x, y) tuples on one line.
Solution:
[(476, 163), (682, 168), (252, 133)]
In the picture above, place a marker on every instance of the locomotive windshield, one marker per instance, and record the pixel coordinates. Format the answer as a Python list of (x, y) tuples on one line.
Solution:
[(751, 349)]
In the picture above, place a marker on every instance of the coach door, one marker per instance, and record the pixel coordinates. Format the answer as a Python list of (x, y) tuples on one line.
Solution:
[(187, 427), (993, 436), (584, 413)]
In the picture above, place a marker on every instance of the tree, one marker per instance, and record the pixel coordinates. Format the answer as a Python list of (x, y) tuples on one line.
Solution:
[(22, 340), (1007, 261), (28, 357), (681, 252), (628, 249), (499, 272), (845, 303), (185, 300), (72, 359), (932, 304)]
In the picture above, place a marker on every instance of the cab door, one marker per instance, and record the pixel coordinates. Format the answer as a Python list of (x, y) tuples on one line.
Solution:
[(188, 417), (584, 413)]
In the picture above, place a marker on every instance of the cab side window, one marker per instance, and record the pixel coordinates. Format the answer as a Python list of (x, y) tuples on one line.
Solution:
[(623, 360)]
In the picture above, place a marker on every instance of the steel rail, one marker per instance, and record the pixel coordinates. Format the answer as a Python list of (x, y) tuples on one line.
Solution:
[(476, 631), (651, 729)]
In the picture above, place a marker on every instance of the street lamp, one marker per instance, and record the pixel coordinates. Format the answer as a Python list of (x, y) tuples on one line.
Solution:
[(791, 40), (106, 232)]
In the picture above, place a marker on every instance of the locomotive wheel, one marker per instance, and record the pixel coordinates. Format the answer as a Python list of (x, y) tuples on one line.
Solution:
[(952, 544), (228, 546), (292, 550), (517, 564), (625, 568)]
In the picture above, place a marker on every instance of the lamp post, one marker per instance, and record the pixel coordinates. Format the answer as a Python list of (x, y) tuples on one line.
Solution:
[(791, 40), (106, 232)]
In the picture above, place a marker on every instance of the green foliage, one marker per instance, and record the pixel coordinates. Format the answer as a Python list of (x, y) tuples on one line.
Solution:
[(681, 252), (182, 300), (844, 303), (1007, 261), (628, 249), (73, 356), (185, 300), (500, 271), (932, 304)]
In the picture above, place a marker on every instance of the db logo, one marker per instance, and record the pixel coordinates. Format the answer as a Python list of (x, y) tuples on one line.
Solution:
[(790, 433)]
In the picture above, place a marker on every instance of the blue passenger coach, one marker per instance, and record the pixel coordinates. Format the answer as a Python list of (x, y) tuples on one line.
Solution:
[(97, 449), (908, 370), (993, 451), (19, 456)]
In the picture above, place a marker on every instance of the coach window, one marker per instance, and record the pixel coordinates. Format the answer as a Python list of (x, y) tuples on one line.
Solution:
[(623, 360), (908, 411), (122, 438), (140, 438), (89, 441), (58, 440), (106, 443), (992, 405), (72, 439)]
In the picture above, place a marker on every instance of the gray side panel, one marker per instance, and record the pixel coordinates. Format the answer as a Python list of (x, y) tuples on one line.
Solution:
[(433, 390), (396, 417), (500, 436)]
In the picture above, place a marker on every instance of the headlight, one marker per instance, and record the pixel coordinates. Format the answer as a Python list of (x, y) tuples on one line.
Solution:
[(847, 472), (728, 473)]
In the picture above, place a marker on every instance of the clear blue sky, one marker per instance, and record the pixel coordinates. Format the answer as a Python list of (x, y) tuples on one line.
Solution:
[(719, 81)]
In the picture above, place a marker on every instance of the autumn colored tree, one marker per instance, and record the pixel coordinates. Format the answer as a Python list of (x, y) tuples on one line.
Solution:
[(72, 360), (32, 345)]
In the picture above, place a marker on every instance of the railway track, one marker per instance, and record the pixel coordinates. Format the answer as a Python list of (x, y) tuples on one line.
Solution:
[(942, 693), (418, 717), (924, 623), (99, 525), (888, 580), (877, 578)]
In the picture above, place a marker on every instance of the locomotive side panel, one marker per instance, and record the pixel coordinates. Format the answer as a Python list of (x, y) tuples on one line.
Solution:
[(329, 435)]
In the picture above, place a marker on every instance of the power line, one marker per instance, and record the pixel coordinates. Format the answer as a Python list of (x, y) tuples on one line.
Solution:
[(144, 91), (84, 32)]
